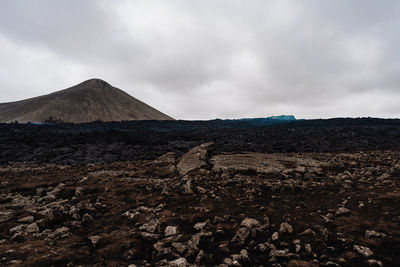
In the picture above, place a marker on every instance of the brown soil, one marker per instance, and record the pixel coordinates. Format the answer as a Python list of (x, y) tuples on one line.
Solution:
[(116, 214)]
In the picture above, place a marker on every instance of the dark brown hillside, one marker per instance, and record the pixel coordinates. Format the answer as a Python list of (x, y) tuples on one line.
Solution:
[(88, 101)]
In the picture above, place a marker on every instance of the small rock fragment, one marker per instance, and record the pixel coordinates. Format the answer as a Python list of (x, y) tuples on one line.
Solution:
[(250, 223), (342, 211), (286, 228), (365, 251), (277, 253), (373, 262), (27, 219), (241, 235), (32, 228), (275, 236), (307, 232), (224, 247), (179, 247), (87, 218), (62, 231), (151, 226), (94, 239), (201, 190), (187, 187), (373, 234), (181, 262), (171, 230), (200, 225)]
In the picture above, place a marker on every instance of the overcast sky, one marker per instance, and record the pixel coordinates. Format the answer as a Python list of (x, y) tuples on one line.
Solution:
[(205, 59)]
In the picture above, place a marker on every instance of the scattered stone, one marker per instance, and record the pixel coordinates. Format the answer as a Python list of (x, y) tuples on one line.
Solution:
[(181, 262), (307, 248), (250, 223), (32, 228), (87, 218), (200, 225), (199, 257), (308, 232), (179, 247), (330, 264), (365, 251), (373, 262), (228, 261), (151, 226), (27, 219), (286, 228), (18, 228), (224, 247), (18, 236), (342, 211), (187, 187), (278, 253), (94, 239), (262, 247), (195, 240), (275, 236), (61, 232), (171, 231), (373, 234), (241, 235), (149, 236), (78, 191), (201, 190), (48, 214)]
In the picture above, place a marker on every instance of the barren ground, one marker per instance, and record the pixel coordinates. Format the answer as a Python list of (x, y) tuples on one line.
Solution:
[(227, 209)]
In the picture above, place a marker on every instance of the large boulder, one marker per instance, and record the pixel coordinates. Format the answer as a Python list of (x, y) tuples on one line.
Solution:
[(164, 166), (195, 159)]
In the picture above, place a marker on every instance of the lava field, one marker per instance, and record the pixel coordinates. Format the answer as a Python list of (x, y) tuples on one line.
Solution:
[(304, 193)]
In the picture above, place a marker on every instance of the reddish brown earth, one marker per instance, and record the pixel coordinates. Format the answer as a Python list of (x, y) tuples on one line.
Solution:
[(280, 209)]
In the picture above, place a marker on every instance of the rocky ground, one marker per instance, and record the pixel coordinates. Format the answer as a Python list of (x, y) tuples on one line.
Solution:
[(95, 143), (205, 209)]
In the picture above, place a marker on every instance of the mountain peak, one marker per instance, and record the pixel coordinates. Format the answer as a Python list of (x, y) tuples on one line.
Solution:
[(91, 100), (95, 83)]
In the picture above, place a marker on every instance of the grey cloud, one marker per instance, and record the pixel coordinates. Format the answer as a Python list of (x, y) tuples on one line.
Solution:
[(206, 59)]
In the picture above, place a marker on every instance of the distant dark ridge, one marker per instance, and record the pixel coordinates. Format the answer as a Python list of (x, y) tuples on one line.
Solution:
[(99, 142), (88, 101)]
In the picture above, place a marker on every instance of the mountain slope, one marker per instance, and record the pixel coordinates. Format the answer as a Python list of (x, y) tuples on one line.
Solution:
[(88, 101)]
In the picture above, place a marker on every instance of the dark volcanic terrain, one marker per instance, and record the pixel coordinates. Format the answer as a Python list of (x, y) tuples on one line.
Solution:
[(304, 193)]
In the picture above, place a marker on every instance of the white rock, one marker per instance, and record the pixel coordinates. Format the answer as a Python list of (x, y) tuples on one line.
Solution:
[(275, 236), (365, 251), (286, 228), (181, 262), (17, 228), (372, 233), (171, 230), (277, 253), (200, 225), (94, 239), (250, 223), (373, 262)]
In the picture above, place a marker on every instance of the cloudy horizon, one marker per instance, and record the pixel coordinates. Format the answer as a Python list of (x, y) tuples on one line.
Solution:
[(210, 59)]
